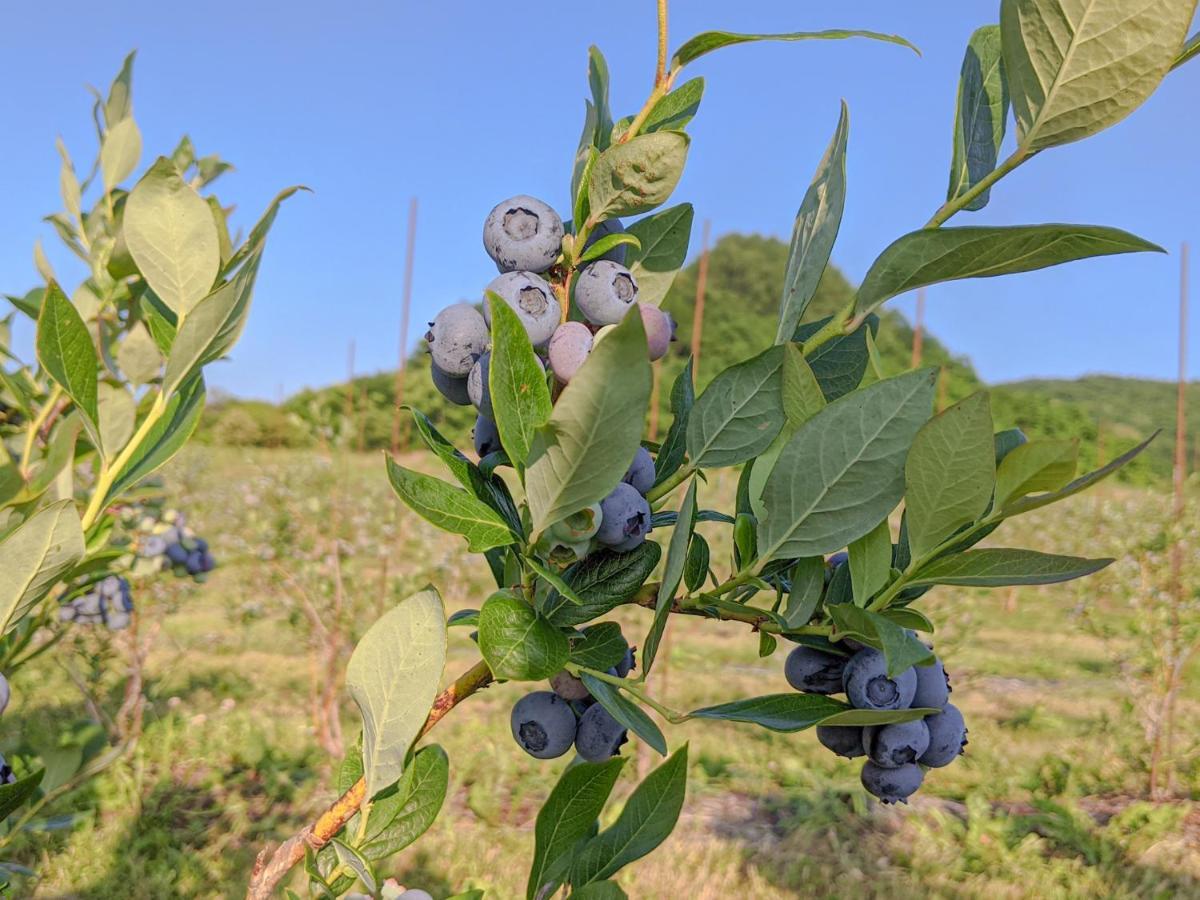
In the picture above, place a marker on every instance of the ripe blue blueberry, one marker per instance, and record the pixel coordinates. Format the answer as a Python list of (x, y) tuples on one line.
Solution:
[(660, 330), (947, 737), (415, 894), (177, 554), (892, 785), (487, 438), (844, 740), (5, 694), (628, 663), (153, 545), (569, 348), (895, 745), (933, 686), (814, 672), (868, 686), (600, 736), (532, 299), (543, 724), (452, 387), (6, 772), (640, 474), (605, 291), (457, 336), (626, 518), (568, 686), (523, 233)]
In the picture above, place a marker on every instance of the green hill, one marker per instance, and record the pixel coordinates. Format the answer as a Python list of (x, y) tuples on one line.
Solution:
[(745, 280)]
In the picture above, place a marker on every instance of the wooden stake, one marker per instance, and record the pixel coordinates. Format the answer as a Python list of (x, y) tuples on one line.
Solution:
[(918, 344), (406, 305), (698, 315)]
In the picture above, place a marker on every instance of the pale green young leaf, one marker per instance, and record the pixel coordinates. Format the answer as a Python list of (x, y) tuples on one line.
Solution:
[(636, 176), (708, 41), (68, 183), (997, 567), (35, 556), (598, 82), (664, 238), (674, 111), (1076, 67), (981, 115), (120, 152), (65, 350), (950, 473), (1082, 483), (517, 383), (257, 239), (138, 356), (584, 449), (118, 416), (393, 677), (172, 237), (814, 232), (450, 508), (517, 642), (870, 562), (740, 412), (843, 471), (42, 264), (120, 94), (1034, 467)]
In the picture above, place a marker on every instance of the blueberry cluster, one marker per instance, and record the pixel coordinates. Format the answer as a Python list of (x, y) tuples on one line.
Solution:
[(897, 754), (524, 237), (171, 541), (547, 723), (109, 602)]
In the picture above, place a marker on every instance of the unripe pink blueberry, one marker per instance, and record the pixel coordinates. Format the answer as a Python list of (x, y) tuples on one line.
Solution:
[(569, 348), (660, 330)]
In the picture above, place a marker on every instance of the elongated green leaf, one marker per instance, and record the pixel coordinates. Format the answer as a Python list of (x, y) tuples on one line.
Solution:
[(520, 397), (399, 818), (566, 817), (1076, 67), (165, 439), (950, 473), (636, 176), (601, 646), (258, 234), (393, 676), (117, 417), (66, 352), (1082, 483), (449, 508), (625, 711), (585, 156), (843, 472), (674, 447), (664, 238), (877, 716), (934, 255), (172, 237), (35, 556), (584, 449), (13, 795), (815, 231), (138, 356), (802, 399), (555, 580), (674, 111), (981, 115), (1038, 466), (599, 890), (901, 649), (647, 820), (870, 562), (598, 82), (676, 557), (357, 863), (120, 94), (603, 581), (517, 642), (608, 243), (120, 152), (708, 41), (739, 413), (808, 581), (996, 567), (840, 364), (796, 712)]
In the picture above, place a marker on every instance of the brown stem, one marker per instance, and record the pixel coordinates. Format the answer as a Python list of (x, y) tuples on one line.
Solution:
[(269, 871)]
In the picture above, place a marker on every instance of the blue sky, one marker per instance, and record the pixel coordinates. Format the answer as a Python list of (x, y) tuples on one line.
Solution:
[(465, 103)]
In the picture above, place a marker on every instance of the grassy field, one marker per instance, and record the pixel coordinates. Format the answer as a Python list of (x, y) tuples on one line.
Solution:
[(1049, 802)]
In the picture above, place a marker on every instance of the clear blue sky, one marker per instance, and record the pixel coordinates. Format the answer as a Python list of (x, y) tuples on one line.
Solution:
[(466, 103)]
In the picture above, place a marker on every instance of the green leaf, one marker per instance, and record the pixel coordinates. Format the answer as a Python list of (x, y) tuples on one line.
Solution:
[(566, 818), (517, 642), (839, 364), (808, 581), (739, 414), (664, 238), (520, 397), (708, 41), (66, 352), (15, 794), (598, 82), (599, 890), (980, 115), (165, 439), (950, 473), (118, 415), (934, 255), (793, 712), (647, 820), (1036, 466), (901, 649), (1082, 483), (815, 231), (607, 243), (554, 579), (878, 716), (356, 862), (674, 111), (997, 567), (871, 562), (393, 677), (600, 647), (399, 818), (625, 711), (120, 94), (35, 556), (120, 152), (843, 472), (138, 356), (258, 234), (676, 557), (1075, 67), (585, 158), (449, 508), (172, 237), (603, 581), (674, 447), (583, 451), (634, 177), (695, 569)]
